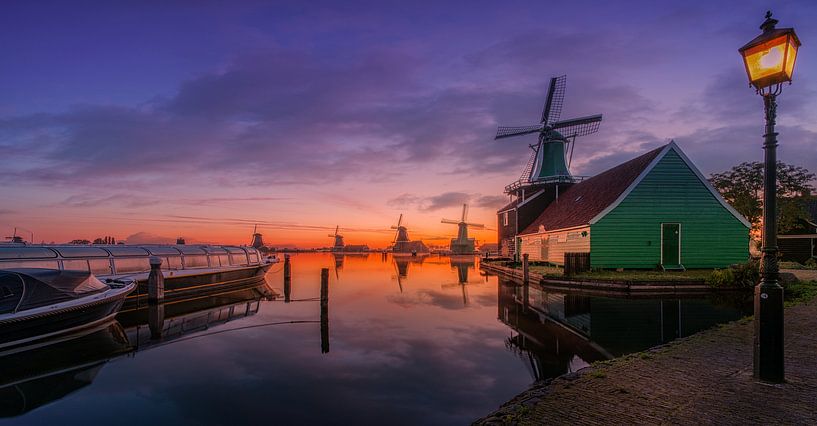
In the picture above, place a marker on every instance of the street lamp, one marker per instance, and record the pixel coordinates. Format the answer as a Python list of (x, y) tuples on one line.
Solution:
[(769, 61)]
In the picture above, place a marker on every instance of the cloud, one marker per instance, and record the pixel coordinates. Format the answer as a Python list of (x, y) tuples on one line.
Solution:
[(447, 200), (149, 238)]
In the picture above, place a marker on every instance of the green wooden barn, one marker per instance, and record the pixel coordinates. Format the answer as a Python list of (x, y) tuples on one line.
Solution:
[(656, 210)]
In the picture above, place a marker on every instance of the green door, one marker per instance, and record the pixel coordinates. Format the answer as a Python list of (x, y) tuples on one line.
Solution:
[(670, 244)]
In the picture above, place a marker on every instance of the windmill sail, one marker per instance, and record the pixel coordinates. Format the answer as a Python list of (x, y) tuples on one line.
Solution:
[(549, 161)]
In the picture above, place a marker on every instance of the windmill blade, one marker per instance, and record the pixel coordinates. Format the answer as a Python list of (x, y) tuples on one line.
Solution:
[(336, 229), (555, 99), (464, 211), (578, 126), (400, 221), (395, 227), (331, 235), (507, 132), (455, 222), (476, 225)]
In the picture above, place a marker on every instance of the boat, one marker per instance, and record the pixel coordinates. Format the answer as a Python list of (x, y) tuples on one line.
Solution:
[(188, 270), (40, 304)]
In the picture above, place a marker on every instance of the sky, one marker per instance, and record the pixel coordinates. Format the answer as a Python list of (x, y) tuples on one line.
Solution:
[(151, 120)]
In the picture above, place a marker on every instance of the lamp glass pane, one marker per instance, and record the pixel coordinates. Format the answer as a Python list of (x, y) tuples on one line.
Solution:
[(766, 59), (790, 57)]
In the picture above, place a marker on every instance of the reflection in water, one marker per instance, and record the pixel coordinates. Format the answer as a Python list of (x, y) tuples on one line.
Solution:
[(397, 351), (462, 264), (559, 332), (30, 378), (401, 265)]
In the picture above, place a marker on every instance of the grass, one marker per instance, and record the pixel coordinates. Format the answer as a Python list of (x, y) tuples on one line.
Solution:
[(800, 292)]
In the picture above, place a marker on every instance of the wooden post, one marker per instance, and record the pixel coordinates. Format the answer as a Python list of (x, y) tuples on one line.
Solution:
[(156, 320), (287, 279), (525, 268), (156, 281), (325, 310)]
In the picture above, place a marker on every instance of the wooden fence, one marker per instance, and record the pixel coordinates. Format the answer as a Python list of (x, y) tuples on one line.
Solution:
[(576, 263)]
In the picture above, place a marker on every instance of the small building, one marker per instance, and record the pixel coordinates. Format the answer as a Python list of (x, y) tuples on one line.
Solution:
[(656, 210)]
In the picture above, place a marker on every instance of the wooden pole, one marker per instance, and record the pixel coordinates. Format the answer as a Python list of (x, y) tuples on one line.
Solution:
[(156, 281), (287, 279), (156, 320), (325, 310), (525, 268)]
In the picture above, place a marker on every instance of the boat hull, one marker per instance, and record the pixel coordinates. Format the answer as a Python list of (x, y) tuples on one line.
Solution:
[(27, 330), (184, 286)]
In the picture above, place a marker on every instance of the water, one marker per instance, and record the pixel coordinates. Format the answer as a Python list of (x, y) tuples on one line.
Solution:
[(412, 341)]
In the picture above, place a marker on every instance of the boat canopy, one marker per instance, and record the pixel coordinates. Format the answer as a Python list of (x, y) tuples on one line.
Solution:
[(23, 289)]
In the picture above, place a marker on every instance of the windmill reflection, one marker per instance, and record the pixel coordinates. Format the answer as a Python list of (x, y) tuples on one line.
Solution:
[(401, 267), (463, 264)]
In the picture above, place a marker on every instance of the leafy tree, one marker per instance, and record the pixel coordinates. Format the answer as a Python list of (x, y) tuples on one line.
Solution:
[(80, 242), (742, 187)]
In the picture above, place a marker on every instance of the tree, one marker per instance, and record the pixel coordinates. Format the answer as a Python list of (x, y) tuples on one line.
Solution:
[(742, 187)]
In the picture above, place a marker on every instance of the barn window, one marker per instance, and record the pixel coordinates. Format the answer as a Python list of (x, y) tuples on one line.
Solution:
[(505, 218)]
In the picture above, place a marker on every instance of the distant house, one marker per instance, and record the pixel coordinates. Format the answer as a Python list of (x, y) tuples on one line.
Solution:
[(656, 210), (800, 245)]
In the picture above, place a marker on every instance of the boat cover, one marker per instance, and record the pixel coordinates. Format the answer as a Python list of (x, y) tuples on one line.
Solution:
[(29, 288)]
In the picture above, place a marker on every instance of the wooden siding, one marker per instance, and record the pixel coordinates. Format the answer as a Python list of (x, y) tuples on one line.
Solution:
[(551, 246), (629, 236)]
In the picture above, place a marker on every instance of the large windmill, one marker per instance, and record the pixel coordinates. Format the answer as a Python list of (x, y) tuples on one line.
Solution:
[(550, 160), (462, 244), (547, 172), (338, 240)]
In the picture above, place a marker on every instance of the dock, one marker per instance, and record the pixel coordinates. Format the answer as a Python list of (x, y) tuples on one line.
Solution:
[(705, 378), (603, 287)]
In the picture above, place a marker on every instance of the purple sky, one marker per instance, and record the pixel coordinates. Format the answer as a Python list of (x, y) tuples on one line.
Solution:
[(201, 118)]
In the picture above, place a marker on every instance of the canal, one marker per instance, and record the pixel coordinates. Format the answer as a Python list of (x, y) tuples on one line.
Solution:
[(426, 340)]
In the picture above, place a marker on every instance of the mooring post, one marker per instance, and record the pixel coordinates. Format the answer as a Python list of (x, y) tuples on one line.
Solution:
[(156, 320), (525, 268), (156, 281), (287, 279), (324, 310), (287, 268)]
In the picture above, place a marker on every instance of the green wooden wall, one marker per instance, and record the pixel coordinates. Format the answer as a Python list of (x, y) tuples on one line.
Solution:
[(630, 235)]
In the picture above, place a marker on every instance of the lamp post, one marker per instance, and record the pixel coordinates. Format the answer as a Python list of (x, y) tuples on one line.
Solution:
[(769, 59)]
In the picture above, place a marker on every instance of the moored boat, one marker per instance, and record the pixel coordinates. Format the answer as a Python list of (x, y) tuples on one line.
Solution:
[(40, 304), (187, 269)]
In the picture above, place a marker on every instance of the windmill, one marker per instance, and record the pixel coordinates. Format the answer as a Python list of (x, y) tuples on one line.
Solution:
[(402, 243), (257, 238), (550, 160), (462, 244), (338, 240)]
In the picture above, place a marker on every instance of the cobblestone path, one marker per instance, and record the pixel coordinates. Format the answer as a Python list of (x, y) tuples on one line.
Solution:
[(702, 379)]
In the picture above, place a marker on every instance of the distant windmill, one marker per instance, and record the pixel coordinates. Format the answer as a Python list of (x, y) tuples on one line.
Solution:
[(402, 243), (338, 240), (551, 157), (462, 244), (257, 239)]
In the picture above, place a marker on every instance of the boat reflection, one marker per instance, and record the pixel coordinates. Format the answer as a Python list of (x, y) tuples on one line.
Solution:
[(161, 323), (35, 376), (557, 333)]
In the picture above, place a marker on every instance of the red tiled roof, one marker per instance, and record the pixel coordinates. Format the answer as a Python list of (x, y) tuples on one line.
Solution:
[(584, 200)]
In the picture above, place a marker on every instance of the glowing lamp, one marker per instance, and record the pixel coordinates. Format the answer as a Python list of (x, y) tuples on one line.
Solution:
[(769, 58)]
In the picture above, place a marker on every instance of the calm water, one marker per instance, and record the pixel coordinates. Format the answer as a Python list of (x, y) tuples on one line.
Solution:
[(411, 341)]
